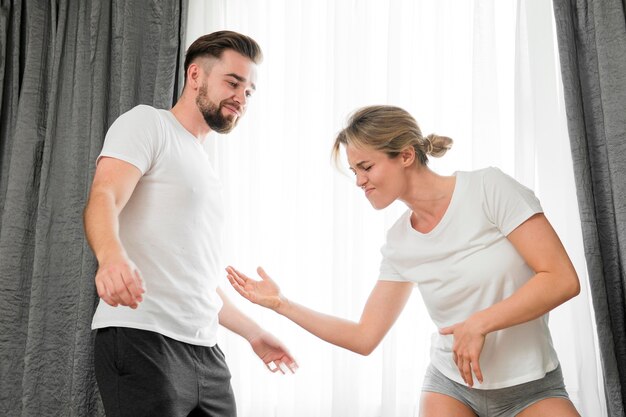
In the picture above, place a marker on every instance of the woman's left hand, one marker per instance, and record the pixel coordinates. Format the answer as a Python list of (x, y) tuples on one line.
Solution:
[(468, 344)]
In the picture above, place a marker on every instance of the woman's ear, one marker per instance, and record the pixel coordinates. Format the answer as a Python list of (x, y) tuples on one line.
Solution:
[(408, 156)]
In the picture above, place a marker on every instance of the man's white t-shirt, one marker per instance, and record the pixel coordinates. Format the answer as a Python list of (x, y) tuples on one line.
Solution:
[(171, 228), (466, 264)]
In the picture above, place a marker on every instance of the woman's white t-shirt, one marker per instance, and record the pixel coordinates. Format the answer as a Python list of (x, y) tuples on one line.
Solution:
[(171, 228), (466, 264)]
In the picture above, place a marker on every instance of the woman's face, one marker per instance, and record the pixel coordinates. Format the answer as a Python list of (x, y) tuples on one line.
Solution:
[(382, 178)]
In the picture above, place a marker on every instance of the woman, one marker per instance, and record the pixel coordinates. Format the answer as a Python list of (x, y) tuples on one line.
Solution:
[(487, 262)]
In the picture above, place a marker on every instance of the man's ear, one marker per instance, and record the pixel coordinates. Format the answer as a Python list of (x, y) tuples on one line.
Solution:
[(193, 75), (408, 156)]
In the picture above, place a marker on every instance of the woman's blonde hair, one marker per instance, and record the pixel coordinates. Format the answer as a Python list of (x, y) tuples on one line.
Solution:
[(389, 129)]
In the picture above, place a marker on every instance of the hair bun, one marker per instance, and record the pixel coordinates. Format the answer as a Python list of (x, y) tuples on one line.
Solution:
[(429, 145), (437, 145)]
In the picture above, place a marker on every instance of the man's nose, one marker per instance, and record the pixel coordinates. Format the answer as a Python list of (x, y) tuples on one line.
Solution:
[(241, 98)]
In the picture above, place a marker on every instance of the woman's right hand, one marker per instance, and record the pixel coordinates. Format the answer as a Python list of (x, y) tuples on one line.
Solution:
[(265, 292)]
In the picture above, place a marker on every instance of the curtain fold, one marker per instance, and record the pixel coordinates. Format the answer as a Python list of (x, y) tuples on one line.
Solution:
[(68, 70), (592, 46)]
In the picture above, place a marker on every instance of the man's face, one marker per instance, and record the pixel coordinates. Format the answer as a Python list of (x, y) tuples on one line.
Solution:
[(223, 95)]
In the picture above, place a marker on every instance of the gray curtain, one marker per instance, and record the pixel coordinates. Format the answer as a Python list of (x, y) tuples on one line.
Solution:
[(592, 48), (67, 70)]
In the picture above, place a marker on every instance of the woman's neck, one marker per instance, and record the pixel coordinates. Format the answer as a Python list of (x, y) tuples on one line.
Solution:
[(428, 196)]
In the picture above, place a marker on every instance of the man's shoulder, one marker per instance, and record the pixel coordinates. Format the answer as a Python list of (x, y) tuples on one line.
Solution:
[(141, 111), (140, 117)]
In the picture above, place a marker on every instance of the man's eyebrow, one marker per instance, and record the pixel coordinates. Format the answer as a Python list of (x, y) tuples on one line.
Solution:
[(241, 79)]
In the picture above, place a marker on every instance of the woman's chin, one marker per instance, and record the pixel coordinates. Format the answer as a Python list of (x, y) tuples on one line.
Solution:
[(378, 205)]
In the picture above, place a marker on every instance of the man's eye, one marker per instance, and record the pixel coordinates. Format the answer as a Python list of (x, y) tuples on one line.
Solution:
[(368, 168), (232, 84)]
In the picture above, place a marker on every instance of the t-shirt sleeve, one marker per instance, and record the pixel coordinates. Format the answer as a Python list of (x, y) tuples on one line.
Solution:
[(134, 138), (507, 202), (387, 271)]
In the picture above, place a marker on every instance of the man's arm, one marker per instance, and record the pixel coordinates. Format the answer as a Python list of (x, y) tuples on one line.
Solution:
[(118, 281), (271, 351)]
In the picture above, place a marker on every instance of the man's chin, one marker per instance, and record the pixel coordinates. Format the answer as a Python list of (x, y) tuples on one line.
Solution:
[(223, 129), (228, 123), (221, 125)]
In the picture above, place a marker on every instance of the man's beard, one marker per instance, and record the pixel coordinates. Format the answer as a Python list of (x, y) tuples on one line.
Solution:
[(212, 113)]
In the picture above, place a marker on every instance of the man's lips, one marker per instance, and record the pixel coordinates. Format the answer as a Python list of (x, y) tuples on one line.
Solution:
[(369, 190), (233, 109)]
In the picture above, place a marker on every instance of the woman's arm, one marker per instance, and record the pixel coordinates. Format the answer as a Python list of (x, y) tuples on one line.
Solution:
[(383, 307), (555, 281)]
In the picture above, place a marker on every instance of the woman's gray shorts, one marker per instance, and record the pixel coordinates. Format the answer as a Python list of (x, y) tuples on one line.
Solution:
[(503, 402)]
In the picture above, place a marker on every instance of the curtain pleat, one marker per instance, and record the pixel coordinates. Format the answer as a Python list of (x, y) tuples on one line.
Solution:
[(71, 68), (592, 46)]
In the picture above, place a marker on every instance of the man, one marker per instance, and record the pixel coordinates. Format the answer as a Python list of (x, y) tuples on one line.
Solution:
[(153, 220)]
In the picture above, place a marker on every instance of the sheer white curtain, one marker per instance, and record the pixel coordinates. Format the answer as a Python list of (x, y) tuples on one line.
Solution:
[(482, 72)]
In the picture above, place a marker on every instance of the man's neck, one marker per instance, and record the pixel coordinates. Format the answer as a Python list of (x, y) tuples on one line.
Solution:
[(189, 116)]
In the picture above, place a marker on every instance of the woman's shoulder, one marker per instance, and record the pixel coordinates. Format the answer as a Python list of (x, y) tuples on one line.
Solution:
[(400, 225), (489, 178), (489, 173)]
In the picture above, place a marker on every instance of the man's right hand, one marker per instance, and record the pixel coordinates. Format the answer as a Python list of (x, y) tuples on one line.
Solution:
[(119, 282)]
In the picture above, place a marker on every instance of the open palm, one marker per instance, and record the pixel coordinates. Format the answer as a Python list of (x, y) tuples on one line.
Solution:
[(265, 292)]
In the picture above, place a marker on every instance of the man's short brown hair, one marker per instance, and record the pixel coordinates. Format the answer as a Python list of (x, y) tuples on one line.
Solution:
[(214, 44)]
